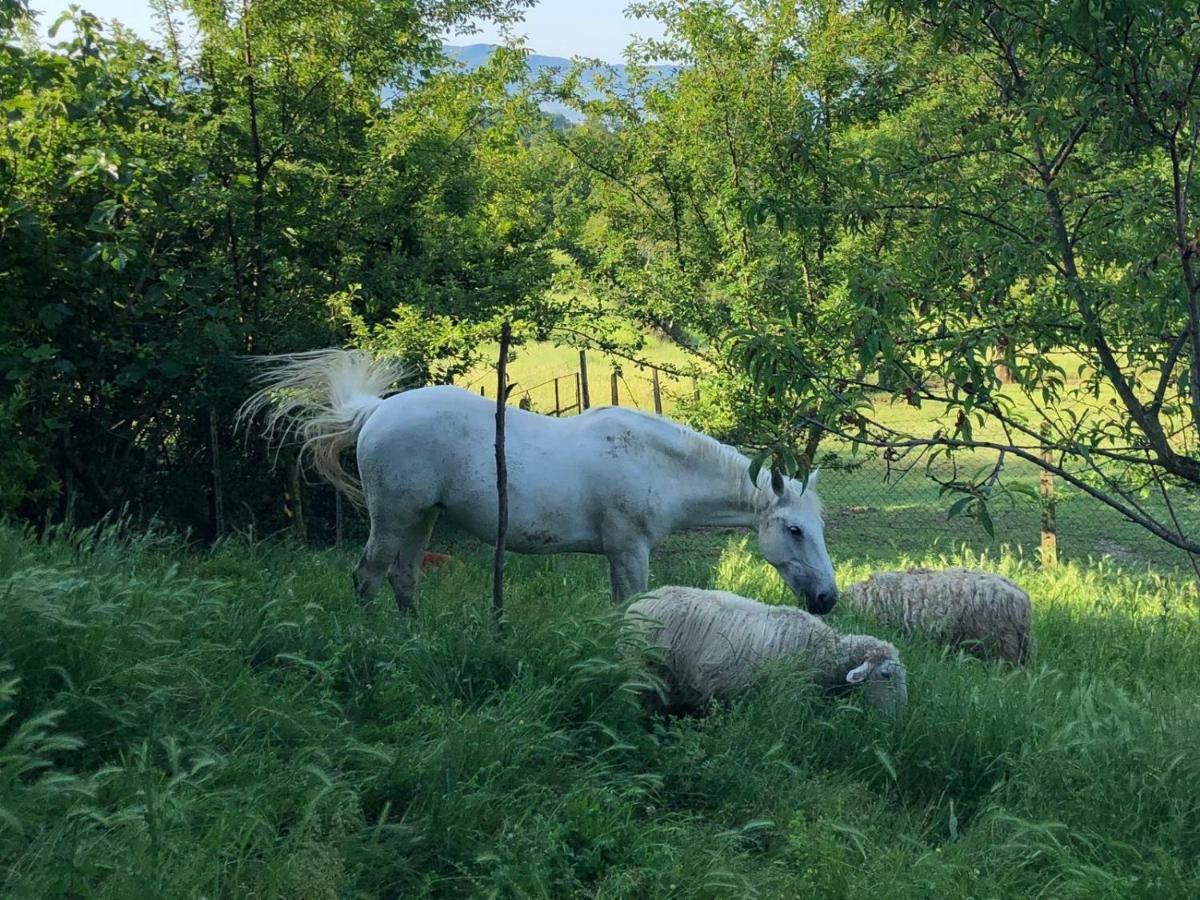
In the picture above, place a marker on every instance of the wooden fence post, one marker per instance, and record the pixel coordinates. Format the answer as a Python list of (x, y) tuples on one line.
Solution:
[(583, 381), (616, 401), (337, 518), (1049, 546), (578, 396), (557, 402), (218, 494), (657, 391), (68, 481), (298, 528)]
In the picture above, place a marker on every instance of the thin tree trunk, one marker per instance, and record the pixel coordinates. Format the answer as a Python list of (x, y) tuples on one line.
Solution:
[(501, 471), (260, 170)]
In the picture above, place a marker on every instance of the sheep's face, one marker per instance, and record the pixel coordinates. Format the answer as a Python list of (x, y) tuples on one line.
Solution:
[(884, 684), (791, 537)]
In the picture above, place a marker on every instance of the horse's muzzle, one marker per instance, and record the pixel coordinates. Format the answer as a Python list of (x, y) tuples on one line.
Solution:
[(821, 602)]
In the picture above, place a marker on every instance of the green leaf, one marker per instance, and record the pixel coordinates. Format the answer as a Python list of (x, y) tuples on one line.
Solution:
[(959, 506), (985, 518), (756, 465)]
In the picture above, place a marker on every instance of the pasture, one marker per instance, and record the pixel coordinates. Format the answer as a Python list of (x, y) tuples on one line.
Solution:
[(229, 723)]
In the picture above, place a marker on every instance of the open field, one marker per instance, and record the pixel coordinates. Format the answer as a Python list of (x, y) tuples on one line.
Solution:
[(230, 724), (534, 367), (896, 515)]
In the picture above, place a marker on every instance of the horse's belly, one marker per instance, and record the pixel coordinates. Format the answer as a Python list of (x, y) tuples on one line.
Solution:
[(529, 531), (542, 541)]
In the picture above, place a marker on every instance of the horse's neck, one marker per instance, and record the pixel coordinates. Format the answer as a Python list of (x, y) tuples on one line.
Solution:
[(718, 493)]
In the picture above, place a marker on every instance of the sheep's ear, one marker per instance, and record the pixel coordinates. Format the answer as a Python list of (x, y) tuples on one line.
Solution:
[(858, 673), (812, 477)]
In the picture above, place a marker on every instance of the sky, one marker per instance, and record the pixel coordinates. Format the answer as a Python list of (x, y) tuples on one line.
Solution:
[(592, 28)]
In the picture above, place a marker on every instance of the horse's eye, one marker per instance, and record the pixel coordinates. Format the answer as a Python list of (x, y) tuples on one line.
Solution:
[(796, 531), (886, 673)]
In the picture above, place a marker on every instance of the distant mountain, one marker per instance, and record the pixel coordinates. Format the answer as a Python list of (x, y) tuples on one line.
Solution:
[(475, 55)]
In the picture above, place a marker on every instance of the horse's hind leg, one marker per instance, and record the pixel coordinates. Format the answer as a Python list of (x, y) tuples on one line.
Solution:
[(382, 547), (405, 571)]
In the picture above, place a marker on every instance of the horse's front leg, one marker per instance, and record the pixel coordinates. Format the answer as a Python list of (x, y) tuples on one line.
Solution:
[(629, 570)]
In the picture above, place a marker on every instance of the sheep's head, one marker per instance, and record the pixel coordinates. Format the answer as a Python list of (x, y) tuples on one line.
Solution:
[(882, 679)]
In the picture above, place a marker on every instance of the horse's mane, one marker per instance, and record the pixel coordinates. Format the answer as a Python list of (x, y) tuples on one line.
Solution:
[(700, 447)]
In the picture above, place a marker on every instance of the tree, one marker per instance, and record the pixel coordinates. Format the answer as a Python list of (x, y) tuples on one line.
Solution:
[(162, 214), (723, 196), (1035, 198), (912, 201)]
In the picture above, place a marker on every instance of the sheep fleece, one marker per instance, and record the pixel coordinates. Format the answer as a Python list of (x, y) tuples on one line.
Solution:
[(983, 612), (714, 641)]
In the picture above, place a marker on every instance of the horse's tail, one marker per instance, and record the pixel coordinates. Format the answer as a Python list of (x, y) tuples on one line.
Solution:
[(323, 398)]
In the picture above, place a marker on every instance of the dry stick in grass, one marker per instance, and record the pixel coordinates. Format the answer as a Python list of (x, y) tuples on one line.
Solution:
[(501, 471)]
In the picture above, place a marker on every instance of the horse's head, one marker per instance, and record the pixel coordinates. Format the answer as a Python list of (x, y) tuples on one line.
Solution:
[(791, 536)]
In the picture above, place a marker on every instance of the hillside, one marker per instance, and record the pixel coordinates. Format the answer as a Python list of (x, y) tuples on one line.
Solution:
[(475, 55)]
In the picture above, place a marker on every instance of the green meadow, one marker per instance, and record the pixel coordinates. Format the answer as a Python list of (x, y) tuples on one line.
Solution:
[(178, 722)]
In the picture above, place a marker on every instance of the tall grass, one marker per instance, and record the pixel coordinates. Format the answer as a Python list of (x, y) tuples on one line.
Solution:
[(231, 724)]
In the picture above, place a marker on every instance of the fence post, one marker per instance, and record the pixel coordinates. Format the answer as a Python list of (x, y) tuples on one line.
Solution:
[(578, 396), (218, 494), (337, 518), (299, 531), (583, 381), (657, 391), (695, 390), (557, 402), (616, 401), (1049, 545)]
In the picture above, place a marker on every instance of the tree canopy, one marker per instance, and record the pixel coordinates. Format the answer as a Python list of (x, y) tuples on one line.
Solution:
[(983, 209)]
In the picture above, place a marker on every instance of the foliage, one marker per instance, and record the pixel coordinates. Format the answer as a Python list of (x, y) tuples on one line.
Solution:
[(918, 201), (309, 175), (228, 723)]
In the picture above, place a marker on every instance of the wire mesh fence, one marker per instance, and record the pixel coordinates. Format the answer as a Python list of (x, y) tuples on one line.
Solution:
[(888, 515), (878, 512)]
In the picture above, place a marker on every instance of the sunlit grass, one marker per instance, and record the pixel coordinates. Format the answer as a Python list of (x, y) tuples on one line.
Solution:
[(230, 724), (535, 366)]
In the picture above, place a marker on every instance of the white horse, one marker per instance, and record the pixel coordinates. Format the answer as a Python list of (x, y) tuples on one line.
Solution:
[(610, 481)]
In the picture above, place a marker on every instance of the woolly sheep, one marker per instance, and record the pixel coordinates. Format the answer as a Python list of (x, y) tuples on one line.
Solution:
[(984, 613), (714, 642)]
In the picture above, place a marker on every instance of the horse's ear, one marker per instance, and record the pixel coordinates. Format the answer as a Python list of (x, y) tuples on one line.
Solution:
[(777, 482)]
